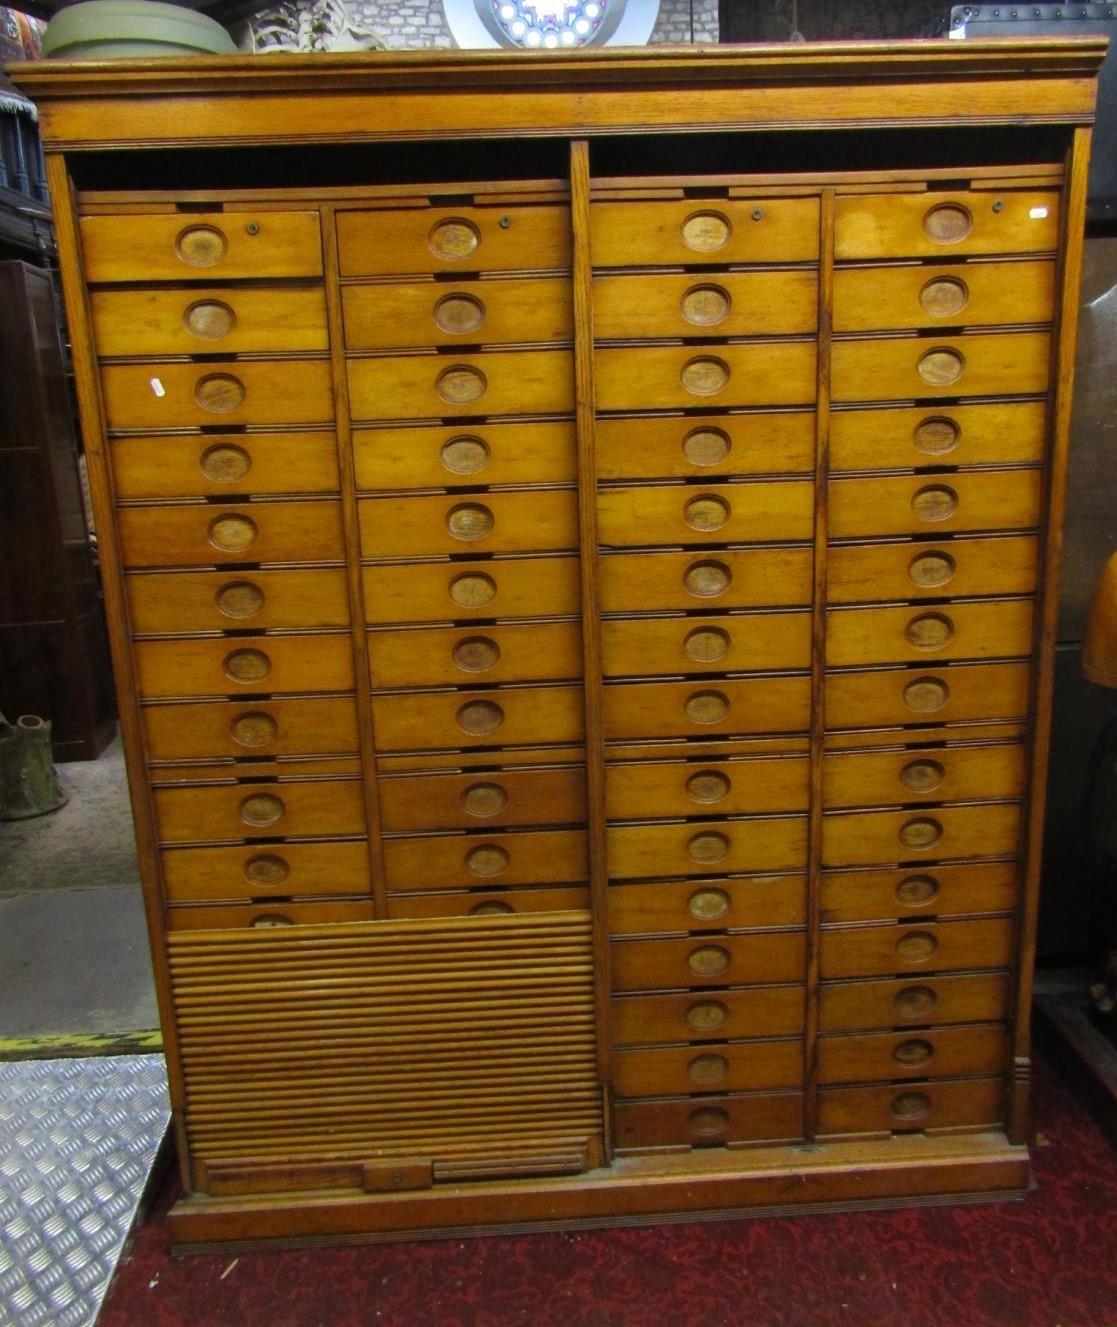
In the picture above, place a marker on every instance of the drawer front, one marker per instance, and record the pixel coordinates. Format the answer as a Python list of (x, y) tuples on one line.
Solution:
[(646, 851), (317, 725), (718, 513), (861, 573), (175, 396), (220, 601), (707, 787), (260, 810), (531, 652), (261, 665), (638, 647), (998, 433), (907, 696), (543, 521), (937, 225), (878, 299), (542, 796), (649, 448), (260, 871), (212, 466), (891, 1003), (501, 588), (724, 960), (935, 774), (726, 304), (276, 914), (490, 902), (928, 1107), (516, 716), (661, 377), (391, 241), (772, 230), (850, 896), (928, 1052), (201, 246), (758, 1011), (871, 951), (534, 857), (698, 905), (539, 452), (989, 630), (389, 317), (520, 382), (658, 1071), (722, 707), (207, 321), (250, 532), (939, 833), (697, 1122), (917, 369), (721, 579)]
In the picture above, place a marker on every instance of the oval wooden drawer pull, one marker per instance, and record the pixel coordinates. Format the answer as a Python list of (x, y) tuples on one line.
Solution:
[(239, 599), (930, 631), (487, 859), (473, 589), (926, 694), (458, 314), (461, 384), (465, 455), (491, 907), (247, 665), (709, 960), (706, 305), (910, 1107), (932, 569), (480, 717), (921, 834), (934, 502), (944, 296), (201, 246), (707, 644), (469, 521), (708, 846), (219, 393), (708, 905), (225, 463), (706, 1015), (233, 533), (708, 1122), (922, 776), (913, 1052), (936, 435), (254, 728), (268, 870), (706, 232), (706, 1070), (708, 786), (261, 809), (706, 512), (914, 1002), (267, 919), (705, 375), (706, 706), (476, 654), (209, 319), (484, 799), (947, 223), (707, 579), (914, 890), (941, 366), (453, 239), (706, 446), (916, 946)]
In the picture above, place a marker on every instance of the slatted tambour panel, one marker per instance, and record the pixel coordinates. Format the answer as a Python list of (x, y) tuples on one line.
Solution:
[(439, 1039)]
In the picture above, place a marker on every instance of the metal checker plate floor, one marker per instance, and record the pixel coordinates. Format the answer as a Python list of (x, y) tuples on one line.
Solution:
[(78, 1139)]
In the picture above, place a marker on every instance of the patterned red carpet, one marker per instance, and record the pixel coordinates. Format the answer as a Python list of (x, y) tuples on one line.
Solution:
[(1050, 1261)]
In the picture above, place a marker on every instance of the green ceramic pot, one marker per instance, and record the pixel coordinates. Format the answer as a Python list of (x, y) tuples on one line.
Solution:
[(116, 29)]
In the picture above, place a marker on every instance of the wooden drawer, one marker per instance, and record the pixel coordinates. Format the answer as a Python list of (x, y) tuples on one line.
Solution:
[(208, 320), (719, 513), (907, 696), (662, 377), (850, 896), (316, 725), (645, 646), (996, 433), (658, 1071), (515, 716), (662, 849), (544, 521), (935, 774), (501, 588), (760, 1117), (646, 447), (878, 299), (699, 905), (205, 465), (724, 960), (319, 809), (270, 914), (755, 1011), (888, 1003), (858, 573), (727, 578), (261, 665), (500, 382), (219, 601), (201, 246), (388, 241), (726, 304), (668, 233), (249, 532), (490, 902), (431, 656), (941, 833), (926, 225), (537, 452), (722, 707), (259, 871), (388, 317), (531, 857), (992, 629), (914, 368), (708, 787), (871, 951), (539, 796), (175, 396), (926, 1053), (928, 1107)]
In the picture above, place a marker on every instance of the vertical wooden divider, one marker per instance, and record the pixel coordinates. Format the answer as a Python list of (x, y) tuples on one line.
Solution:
[(582, 276), (1059, 402), (351, 527), (87, 381), (818, 655)]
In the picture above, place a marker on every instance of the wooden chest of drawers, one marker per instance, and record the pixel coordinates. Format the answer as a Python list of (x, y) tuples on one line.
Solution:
[(582, 587)]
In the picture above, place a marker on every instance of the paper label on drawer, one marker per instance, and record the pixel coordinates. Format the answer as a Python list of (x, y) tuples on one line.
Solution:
[(1037, 213), (158, 388)]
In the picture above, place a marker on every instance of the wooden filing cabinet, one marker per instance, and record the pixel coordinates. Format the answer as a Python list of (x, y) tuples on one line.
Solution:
[(582, 539)]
